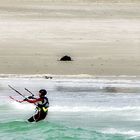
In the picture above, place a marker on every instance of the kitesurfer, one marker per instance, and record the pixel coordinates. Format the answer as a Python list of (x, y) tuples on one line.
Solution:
[(42, 104)]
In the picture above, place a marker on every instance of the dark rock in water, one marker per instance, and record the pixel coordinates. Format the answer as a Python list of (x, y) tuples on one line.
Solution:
[(66, 58), (111, 89), (48, 77)]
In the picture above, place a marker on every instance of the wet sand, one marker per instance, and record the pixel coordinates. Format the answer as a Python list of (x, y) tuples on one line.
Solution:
[(102, 38)]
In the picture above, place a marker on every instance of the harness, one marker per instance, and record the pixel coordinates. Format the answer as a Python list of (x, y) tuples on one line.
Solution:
[(43, 105)]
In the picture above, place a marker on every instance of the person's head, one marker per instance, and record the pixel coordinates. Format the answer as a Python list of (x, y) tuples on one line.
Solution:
[(42, 92)]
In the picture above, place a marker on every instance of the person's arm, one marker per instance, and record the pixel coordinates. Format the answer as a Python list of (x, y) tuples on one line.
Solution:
[(33, 100)]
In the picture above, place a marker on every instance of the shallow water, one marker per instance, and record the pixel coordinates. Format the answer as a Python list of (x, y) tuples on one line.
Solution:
[(80, 108)]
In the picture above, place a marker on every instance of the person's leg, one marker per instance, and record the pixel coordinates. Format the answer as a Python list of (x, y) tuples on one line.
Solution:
[(31, 119), (35, 117), (42, 116)]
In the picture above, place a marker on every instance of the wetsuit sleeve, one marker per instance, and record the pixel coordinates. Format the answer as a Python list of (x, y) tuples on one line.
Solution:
[(34, 100)]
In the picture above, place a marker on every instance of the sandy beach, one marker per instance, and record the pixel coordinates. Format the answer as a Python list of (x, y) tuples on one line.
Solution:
[(102, 38)]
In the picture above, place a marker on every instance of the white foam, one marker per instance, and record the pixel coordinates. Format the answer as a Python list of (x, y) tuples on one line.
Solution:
[(23, 106), (121, 132), (91, 109), (76, 81)]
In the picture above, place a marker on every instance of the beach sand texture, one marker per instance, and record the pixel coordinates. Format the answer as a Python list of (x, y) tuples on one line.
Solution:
[(103, 38)]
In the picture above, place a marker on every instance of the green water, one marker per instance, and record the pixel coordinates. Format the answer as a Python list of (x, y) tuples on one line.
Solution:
[(80, 109), (21, 130)]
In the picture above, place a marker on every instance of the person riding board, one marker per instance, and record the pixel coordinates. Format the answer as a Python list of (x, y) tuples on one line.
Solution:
[(42, 104)]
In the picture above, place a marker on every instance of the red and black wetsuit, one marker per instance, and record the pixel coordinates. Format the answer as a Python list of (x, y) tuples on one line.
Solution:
[(42, 109)]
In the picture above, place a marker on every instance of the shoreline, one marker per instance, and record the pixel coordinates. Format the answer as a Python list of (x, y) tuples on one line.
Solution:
[(78, 76)]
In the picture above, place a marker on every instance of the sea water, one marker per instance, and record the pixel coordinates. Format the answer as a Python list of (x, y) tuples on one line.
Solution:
[(81, 108)]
